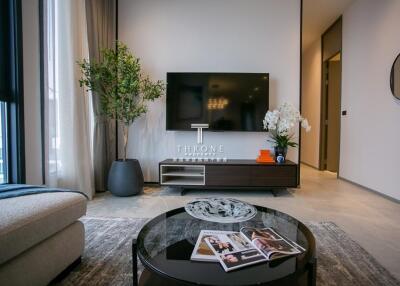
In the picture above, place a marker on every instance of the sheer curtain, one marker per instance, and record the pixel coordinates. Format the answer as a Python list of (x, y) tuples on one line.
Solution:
[(101, 26), (67, 106)]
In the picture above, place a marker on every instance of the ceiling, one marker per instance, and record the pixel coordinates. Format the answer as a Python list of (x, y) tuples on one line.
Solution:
[(318, 15)]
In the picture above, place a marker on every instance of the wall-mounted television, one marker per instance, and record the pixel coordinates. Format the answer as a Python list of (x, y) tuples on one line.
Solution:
[(225, 101)]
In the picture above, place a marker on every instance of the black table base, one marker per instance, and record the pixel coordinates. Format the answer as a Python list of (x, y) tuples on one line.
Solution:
[(150, 278), (134, 263)]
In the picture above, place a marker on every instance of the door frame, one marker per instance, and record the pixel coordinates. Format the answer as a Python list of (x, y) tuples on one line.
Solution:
[(323, 114), (323, 97)]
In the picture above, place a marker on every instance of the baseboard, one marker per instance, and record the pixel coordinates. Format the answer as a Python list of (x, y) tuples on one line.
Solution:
[(370, 190), (152, 183), (309, 165)]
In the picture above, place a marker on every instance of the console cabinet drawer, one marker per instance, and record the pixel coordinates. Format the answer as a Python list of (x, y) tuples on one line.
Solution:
[(227, 176), (251, 176), (273, 176)]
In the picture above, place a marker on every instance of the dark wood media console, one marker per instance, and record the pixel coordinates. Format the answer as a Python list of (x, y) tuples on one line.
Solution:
[(229, 174)]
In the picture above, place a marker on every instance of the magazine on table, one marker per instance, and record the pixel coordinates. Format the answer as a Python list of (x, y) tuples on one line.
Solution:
[(239, 249), (235, 241)]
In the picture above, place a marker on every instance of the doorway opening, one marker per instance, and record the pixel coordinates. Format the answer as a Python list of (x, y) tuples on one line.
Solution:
[(330, 114), (331, 86)]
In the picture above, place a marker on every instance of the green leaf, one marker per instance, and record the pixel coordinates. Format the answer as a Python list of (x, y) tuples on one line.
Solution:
[(118, 81), (120, 84)]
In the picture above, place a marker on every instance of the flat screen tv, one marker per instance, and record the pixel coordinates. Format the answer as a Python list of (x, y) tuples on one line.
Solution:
[(225, 101)]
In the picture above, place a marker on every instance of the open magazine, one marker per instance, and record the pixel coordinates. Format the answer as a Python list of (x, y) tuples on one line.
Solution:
[(238, 249)]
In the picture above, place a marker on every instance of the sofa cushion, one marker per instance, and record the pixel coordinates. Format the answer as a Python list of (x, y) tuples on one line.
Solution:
[(40, 264), (26, 221)]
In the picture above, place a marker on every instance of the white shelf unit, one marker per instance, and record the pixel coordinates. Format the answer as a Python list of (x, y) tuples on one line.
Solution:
[(185, 175)]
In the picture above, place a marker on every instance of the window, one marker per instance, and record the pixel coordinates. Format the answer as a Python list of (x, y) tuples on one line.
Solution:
[(12, 148), (66, 107), (3, 144), (52, 97), (3, 93)]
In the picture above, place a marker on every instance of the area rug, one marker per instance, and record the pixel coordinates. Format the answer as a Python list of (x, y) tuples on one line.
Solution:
[(107, 257)]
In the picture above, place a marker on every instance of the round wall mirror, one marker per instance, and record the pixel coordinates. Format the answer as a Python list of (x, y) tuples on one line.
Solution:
[(395, 78)]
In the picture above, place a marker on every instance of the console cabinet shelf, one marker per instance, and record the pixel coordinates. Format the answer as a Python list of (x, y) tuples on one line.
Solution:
[(182, 174), (229, 174)]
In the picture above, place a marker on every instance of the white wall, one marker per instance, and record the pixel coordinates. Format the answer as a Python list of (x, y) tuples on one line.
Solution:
[(370, 133), (311, 103), (205, 36), (31, 62)]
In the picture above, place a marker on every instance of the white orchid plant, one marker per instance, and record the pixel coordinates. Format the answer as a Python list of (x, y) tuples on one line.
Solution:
[(281, 122)]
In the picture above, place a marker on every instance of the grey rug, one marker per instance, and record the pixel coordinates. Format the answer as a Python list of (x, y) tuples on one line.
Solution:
[(107, 257)]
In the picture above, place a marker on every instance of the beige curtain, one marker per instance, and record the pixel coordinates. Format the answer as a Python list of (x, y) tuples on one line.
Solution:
[(67, 106), (101, 25)]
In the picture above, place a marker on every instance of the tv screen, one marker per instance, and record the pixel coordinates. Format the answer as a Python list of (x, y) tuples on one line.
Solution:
[(225, 101)]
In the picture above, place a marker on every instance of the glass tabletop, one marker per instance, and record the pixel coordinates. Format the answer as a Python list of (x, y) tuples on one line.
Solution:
[(165, 245)]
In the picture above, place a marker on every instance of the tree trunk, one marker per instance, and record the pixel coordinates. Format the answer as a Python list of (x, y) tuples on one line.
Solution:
[(126, 134)]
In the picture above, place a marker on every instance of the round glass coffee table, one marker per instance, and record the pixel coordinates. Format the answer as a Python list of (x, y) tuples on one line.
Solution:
[(165, 244)]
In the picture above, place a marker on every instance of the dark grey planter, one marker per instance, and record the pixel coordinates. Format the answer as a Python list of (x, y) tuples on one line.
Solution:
[(125, 178)]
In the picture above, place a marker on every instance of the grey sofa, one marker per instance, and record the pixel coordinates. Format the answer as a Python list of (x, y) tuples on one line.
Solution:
[(40, 236)]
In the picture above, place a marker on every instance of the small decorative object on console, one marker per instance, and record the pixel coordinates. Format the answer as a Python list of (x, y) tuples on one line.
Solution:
[(224, 210), (281, 124), (265, 157), (280, 154)]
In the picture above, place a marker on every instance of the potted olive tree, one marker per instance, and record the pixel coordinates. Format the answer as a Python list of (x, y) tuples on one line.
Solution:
[(123, 91)]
